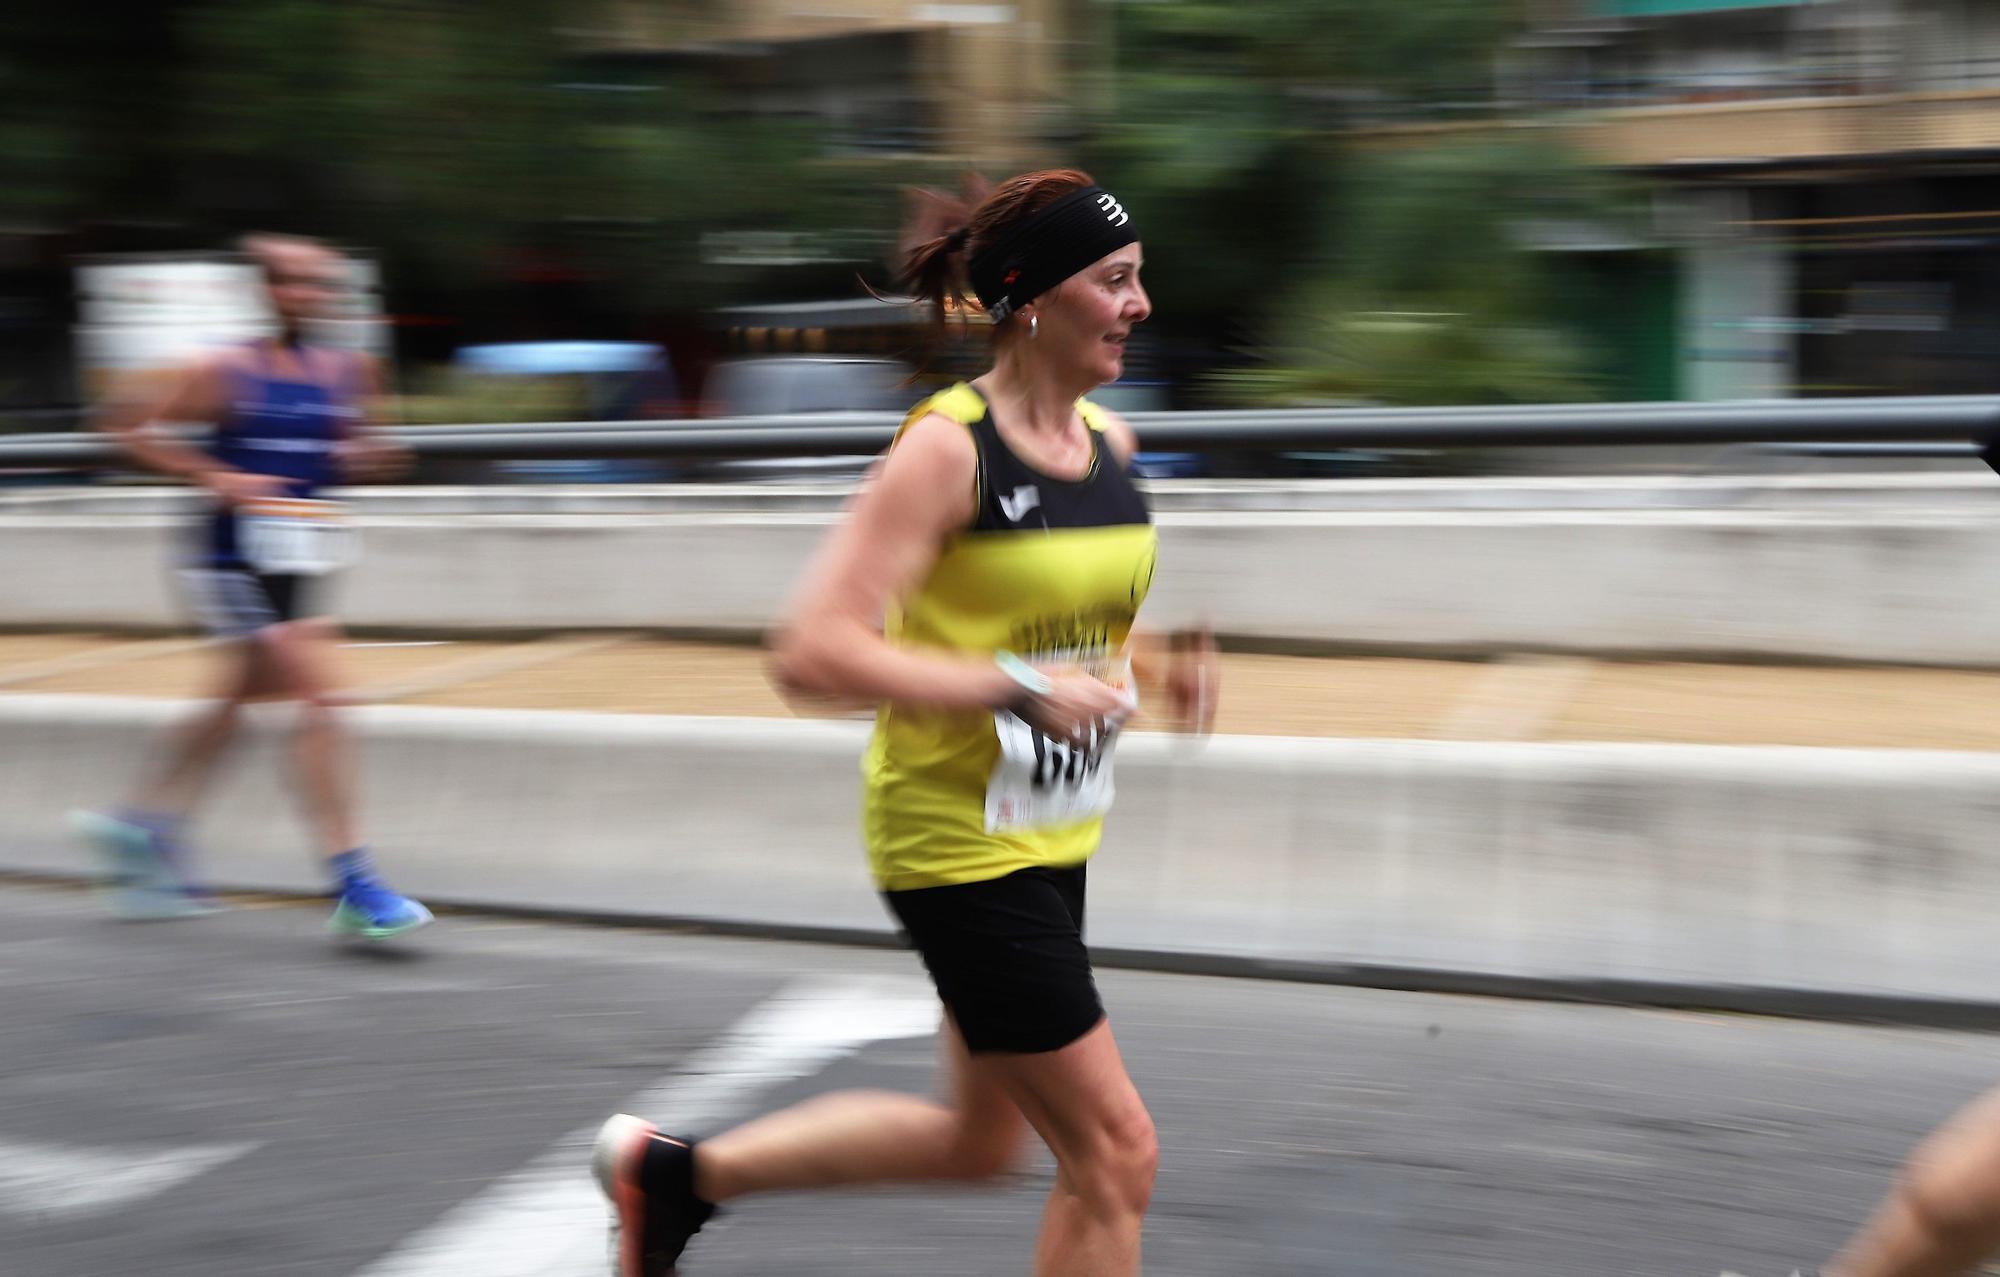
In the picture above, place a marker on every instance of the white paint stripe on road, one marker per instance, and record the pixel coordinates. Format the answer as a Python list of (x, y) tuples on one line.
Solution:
[(548, 1220), (62, 1181)]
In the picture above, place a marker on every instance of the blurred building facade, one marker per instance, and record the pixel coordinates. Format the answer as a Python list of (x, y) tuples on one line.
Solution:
[(1827, 171), (900, 89), (983, 84), (1828, 176)]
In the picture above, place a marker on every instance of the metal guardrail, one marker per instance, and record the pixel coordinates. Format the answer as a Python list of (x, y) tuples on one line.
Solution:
[(1973, 419), (1935, 451)]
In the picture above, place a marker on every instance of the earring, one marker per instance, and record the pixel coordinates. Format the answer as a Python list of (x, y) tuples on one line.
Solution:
[(1034, 322)]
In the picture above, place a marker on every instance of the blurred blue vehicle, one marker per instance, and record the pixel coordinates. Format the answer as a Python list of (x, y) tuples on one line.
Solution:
[(560, 358), (614, 381)]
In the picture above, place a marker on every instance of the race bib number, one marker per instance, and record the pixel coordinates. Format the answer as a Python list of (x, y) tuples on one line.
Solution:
[(1040, 781), (295, 537)]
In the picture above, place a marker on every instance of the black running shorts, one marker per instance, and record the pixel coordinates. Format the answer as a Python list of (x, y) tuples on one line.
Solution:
[(235, 602), (1007, 956)]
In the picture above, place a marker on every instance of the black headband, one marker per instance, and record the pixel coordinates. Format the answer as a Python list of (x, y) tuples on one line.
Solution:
[(1048, 246)]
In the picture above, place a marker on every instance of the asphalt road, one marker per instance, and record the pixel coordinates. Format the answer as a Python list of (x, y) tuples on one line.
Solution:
[(240, 1095)]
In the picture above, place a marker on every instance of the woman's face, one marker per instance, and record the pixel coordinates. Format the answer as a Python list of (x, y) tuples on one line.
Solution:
[(1088, 316)]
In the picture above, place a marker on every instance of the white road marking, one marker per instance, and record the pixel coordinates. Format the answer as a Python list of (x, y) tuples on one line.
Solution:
[(547, 1219), (63, 1181)]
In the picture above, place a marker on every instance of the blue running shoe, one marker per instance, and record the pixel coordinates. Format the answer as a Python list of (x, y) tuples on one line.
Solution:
[(373, 912), (143, 877)]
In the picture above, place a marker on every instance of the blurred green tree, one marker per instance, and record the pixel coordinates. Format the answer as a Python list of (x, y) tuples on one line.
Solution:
[(1457, 278), (455, 133), (1223, 123), (1406, 273), (85, 116), (463, 143), (480, 145)]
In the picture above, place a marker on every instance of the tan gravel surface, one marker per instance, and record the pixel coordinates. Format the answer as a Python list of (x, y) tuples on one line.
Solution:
[(1529, 699)]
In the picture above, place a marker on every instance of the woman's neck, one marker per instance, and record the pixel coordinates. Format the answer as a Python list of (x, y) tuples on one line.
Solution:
[(1033, 401)]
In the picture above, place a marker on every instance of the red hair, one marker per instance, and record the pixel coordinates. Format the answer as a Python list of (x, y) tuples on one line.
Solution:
[(934, 251)]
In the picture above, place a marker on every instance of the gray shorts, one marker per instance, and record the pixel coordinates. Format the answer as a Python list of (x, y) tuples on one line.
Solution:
[(236, 602)]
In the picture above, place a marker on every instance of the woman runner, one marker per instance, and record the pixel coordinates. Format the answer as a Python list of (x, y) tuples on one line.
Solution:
[(1008, 549)]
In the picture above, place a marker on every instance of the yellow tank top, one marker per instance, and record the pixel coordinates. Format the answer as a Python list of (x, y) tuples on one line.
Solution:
[(1054, 571)]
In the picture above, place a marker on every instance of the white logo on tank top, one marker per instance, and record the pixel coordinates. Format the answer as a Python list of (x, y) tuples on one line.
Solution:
[(303, 411), (1025, 498), (286, 445)]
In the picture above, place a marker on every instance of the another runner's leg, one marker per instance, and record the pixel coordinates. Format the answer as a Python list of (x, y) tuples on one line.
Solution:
[(148, 867), (1943, 1216), (366, 907)]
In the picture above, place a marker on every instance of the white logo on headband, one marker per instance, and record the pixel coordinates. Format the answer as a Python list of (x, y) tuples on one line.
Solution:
[(1114, 212)]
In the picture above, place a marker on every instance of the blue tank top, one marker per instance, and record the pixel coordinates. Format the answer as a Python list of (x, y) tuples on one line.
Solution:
[(284, 426)]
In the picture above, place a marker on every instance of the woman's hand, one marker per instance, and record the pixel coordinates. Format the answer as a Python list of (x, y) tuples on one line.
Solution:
[(1194, 675), (238, 488), (1076, 708), (372, 458)]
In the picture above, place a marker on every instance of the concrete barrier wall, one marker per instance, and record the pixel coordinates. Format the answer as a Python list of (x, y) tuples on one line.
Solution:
[(1888, 585), (1839, 870)]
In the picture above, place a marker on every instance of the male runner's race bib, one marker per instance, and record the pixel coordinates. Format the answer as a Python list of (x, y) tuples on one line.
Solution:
[(1039, 781), (294, 537)]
